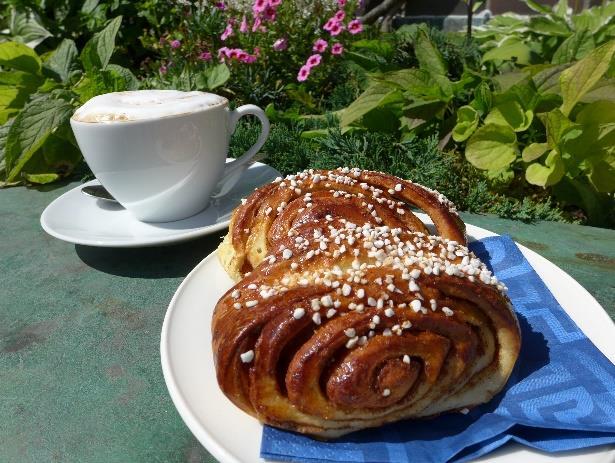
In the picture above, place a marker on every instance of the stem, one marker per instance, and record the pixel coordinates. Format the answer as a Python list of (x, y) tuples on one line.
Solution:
[(470, 14)]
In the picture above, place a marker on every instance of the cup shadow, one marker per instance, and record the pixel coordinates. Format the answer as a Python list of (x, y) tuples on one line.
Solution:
[(151, 262)]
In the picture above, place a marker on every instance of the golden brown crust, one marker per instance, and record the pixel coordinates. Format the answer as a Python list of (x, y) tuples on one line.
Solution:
[(315, 196), (344, 327)]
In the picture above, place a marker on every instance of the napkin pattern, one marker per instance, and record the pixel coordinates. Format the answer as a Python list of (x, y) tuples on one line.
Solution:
[(561, 394)]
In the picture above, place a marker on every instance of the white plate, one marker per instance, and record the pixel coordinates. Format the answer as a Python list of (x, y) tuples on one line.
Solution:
[(232, 436), (81, 219)]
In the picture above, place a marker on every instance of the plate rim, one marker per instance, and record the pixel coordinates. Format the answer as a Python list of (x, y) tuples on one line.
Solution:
[(223, 454), (145, 242)]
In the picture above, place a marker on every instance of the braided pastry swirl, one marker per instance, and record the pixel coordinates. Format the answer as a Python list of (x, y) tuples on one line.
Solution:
[(357, 195), (344, 327)]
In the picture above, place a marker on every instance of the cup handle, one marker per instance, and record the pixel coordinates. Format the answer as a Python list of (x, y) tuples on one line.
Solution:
[(234, 169)]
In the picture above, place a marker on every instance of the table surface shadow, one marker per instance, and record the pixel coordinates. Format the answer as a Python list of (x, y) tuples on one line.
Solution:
[(80, 375)]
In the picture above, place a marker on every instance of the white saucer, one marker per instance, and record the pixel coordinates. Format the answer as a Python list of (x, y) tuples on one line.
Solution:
[(81, 219), (232, 436)]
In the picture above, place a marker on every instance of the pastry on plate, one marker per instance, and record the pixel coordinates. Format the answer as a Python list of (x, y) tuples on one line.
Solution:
[(326, 196), (344, 325)]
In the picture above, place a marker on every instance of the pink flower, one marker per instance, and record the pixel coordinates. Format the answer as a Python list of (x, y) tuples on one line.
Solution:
[(336, 29), (220, 5), (269, 14), (234, 53), (227, 32), (249, 59), (257, 51), (341, 3), (259, 6), (339, 15), (205, 56), (320, 46), (304, 73), (355, 26), (163, 69), (175, 43), (242, 56), (337, 49), (244, 26), (280, 44), (257, 24), (313, 61), (223, 53), (329, 24), (275, 3)]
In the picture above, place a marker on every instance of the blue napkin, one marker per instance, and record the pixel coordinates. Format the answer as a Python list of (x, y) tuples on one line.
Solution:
[(560, 396)]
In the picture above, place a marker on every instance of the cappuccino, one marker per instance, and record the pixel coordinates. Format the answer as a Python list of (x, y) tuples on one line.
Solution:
[(145, 105)]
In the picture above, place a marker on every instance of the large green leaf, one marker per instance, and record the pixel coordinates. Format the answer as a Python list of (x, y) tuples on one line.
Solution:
[(429, 57), (574, 47), (599, 112), (492, 147), (98, 50), (510, 48), (579, 79), (25, 27), (376, 95), (548, 174), (419, 112), (534, 151), (62, 60), (549, 26), (217, 76), (483, 98), (512, 114), (30, 129), (602, 174), (20, 57), (604, 90), (467, 122), (547, 80)]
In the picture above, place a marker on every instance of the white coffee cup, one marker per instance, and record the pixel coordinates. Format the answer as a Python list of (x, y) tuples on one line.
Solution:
[(162, 153)]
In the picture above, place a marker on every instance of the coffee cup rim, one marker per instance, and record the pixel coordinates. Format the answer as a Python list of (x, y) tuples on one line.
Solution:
[(223, 102)]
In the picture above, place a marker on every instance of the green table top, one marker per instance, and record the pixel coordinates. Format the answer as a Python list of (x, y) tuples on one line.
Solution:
[(80, 375)]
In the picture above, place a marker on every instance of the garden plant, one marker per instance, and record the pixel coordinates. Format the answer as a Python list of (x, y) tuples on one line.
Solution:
[(517, 119)]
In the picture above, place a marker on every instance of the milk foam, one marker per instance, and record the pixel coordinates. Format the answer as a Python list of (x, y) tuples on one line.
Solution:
[(144, 104)]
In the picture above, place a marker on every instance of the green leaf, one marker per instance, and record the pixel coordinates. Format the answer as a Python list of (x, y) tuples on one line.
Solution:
[(20, 57), (556, 124), (599, 112), (483, 98), (578, 79), (89, 6), (604, 90), (467, 122), (62, 60), (428, 55), (561, 9), (25, 27), (534, 151), (119, 79), (419, 112), (217, 75), (376, 95), (548, 174), (30, 129), (549, 26), (41, 179), (547, 80), (509, 48), (537, 7), (512, 114), (574, 47), (492, 147), (603, 175), (98, 50)]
